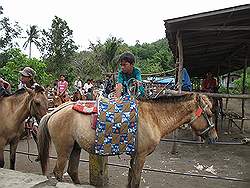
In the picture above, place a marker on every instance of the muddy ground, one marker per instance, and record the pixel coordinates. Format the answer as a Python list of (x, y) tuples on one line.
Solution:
[(214, 160)]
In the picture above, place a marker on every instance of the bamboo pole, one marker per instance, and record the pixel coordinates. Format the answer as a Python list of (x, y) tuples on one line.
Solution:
[(243, 92), (219, 95), (179, 80), (228, 78)]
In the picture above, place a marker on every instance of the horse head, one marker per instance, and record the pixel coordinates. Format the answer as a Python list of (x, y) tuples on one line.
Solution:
[(38, 103), (201, 121), (57, 101)]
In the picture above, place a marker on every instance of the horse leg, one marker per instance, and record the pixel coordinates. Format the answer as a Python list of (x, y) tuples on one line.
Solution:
[(13, 147), (60, 165), (130, 171), (1, 158), (135, 171), (63, 151), (74, 163), (2, 145)]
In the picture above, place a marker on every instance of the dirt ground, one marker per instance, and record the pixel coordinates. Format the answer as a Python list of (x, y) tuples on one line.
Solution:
[(215, 160)]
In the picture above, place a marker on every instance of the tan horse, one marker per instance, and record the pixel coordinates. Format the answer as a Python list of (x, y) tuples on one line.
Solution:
[(70, 131), (14, 110)]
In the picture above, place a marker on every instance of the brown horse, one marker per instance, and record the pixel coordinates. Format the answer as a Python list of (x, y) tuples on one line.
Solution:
[(14, 110), (57, 101), (77, 96), (70, 131)]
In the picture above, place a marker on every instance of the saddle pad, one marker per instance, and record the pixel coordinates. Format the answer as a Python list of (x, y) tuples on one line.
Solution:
[(116, 127), (85, 107)]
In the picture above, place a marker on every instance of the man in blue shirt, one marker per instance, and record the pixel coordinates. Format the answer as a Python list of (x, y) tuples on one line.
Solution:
[(128, 74), (186, 82)]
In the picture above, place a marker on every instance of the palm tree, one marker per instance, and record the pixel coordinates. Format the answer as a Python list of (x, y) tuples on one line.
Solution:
[(111, 47), (33, 37)]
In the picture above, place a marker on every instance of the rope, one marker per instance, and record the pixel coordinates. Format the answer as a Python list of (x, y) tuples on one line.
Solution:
[(157, 170), (244, 141), (134, 83)]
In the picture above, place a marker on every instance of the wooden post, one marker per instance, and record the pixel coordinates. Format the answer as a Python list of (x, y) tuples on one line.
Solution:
[(228, 78), (244, 91), (98, 170), (179, 80)]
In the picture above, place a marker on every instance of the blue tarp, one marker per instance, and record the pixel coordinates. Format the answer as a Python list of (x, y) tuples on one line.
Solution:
[(164, 80)]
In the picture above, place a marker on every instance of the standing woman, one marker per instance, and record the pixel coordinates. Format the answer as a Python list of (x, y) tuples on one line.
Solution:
[(62, 87)]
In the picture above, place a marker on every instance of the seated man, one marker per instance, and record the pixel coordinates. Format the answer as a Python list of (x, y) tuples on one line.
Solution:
[(209, 84), (126, 74)]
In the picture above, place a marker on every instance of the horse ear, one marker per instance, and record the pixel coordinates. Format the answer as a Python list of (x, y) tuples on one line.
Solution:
[(196, 98), (30, 91)]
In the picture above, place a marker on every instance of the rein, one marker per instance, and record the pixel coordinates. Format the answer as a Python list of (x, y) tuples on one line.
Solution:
[(201, 111)]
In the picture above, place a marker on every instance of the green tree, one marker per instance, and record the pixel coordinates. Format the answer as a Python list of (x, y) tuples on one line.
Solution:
[(58, 48), (32, 37), (153, 57), (110, 53), (17, 61), (8, 33)]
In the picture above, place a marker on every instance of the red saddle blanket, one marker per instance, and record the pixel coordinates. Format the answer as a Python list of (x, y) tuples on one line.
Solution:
[(86, 107), (89, 108)]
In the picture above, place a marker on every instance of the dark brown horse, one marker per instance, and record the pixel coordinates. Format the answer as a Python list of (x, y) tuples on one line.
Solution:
[(14, 110), (70, 131)]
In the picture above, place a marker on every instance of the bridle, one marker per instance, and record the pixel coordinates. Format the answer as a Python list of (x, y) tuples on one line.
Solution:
[(202, 111)]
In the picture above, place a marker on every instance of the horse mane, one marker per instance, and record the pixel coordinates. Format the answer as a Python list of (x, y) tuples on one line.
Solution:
[(19, 92), (39, 88), (170, 98)]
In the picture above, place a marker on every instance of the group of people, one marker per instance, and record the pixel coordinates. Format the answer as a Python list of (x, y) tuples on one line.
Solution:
[(209, 83), (127, 73)]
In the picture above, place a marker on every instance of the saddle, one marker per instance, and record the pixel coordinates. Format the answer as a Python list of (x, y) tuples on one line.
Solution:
[(116, 124)]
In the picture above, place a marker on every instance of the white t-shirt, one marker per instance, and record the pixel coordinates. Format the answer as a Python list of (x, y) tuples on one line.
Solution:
[(87, 86), (78, 84)]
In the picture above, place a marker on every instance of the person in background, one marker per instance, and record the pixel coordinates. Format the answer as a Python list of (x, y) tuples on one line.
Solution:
[(186, 82), (27, 78), (87, 86), (62, 87), (78, 85), (128, 71), (209, 84), (108, 86), (4, 87)]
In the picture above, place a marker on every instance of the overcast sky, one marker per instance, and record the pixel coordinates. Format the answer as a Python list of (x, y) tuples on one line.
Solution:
[(91, 20)]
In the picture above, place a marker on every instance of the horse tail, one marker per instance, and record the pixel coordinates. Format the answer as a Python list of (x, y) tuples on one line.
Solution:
[(44, 141)]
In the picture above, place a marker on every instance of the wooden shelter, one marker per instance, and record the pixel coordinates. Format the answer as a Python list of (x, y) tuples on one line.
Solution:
[(216, 41)]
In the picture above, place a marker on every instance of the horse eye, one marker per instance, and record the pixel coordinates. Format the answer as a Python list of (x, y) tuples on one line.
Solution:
[(37, 103)]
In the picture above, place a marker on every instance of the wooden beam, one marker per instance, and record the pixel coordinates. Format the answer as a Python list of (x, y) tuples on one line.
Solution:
[(217, 28), (219, 95)]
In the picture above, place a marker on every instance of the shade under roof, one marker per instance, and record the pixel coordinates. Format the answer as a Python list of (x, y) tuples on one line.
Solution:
[(216, 41)]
